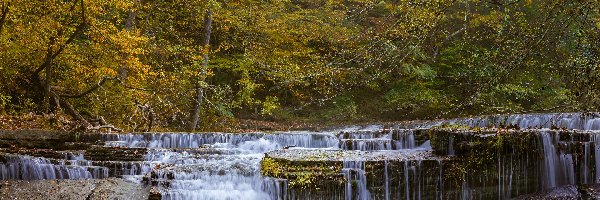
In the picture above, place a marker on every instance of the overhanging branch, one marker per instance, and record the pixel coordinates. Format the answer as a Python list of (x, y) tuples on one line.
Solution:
[(91, 89)]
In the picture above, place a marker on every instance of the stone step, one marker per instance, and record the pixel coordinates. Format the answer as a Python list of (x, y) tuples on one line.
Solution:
[(46, 139), (364, 134), (410, 174), (368, 144)]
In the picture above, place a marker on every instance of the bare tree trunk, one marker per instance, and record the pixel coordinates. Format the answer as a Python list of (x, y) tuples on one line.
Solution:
[(130, 19), (73, 112), (48, 99), (129, 22), (48, 69), (199, 97)]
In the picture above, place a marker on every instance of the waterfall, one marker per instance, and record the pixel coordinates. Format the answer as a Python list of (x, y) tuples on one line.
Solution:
[(465, 191), (406, 180), (387, 181), (377, 140), (36, 168), (451, 145), (190, 140), (559, 166), (580, 121), (406, 139), (215, 165), (366, 144), (596, 139), (550, 161), (354, 172), (228, 166)]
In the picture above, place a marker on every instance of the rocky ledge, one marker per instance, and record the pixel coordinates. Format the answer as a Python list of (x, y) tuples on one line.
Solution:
[(93, 189)]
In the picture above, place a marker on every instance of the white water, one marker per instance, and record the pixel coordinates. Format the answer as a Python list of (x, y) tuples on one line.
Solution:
[(558, 166), (227, 166), (377, 140), (550, 161), (354, 172), (528, 121), (36, 168), (596, 140), (406, 139), (229, 170)]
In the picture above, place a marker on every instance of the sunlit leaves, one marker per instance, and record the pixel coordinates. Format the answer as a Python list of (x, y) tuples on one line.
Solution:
[(400, 59)]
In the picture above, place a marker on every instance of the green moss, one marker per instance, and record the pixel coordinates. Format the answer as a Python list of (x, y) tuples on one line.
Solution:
[(477, 151), (301, 174), (303, 180), (269, 167)]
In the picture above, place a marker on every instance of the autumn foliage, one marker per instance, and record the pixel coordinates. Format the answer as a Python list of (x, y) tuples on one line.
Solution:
[(137, 64)]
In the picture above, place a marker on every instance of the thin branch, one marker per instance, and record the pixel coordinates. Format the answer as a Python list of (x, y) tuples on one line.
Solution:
[(93, 88)]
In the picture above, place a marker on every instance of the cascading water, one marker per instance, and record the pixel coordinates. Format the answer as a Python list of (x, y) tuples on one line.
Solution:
[(216, 165), (579, 121), (227, 166), (36, 168), (559, 166), (406, 139), (378, 140), (596, 140), (354, 172), (550, 161)]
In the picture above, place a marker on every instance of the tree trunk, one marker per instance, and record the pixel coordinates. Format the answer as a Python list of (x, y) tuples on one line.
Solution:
[(199, 97), (5, 7), (47, 83), (131, 19), (48, 99)]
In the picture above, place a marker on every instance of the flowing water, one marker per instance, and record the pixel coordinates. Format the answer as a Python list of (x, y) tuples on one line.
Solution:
[(354, 173), (579, 121), (227, 166), (36, 168)]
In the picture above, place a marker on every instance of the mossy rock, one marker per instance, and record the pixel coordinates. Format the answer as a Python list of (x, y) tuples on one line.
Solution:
[(303, 174)]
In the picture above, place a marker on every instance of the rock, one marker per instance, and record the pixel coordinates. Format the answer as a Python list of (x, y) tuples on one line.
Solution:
[(93, 189)]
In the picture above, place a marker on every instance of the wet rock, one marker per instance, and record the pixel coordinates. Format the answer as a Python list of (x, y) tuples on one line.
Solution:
[(343, 155), (314, 174), (569, 192), (45, 139), (154, 194), (102, 153), (111, 188)]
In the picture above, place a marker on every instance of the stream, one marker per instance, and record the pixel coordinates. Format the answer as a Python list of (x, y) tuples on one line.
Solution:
[(375, 162)]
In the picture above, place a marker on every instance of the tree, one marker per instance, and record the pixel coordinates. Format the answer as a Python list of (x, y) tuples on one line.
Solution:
[(74, 43), (200, 89)]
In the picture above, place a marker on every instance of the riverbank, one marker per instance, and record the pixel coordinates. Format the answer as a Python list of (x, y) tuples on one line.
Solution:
[(61, 122)]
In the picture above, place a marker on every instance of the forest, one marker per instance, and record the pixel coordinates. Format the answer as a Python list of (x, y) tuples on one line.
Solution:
[(145, 65)]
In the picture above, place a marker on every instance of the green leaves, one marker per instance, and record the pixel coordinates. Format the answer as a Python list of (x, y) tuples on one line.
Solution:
[(376, 59)]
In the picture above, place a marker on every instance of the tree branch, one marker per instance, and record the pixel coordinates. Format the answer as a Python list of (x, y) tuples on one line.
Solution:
[(93, 88), (72, 37), (70, 110)]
